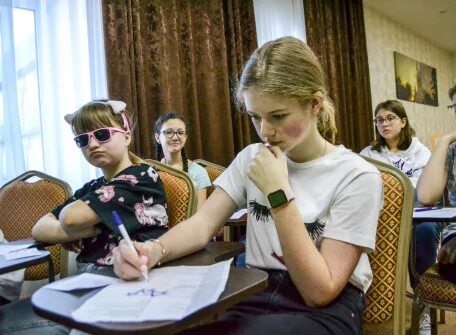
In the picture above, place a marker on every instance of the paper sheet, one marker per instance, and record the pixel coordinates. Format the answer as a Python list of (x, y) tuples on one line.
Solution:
[(83, 281), (7, 247), (23, 253), (441, 213), (238, 214), (170, 294)]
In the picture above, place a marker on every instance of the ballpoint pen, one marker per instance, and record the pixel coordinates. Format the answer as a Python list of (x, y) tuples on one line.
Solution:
[(424, 209), (126, 237)]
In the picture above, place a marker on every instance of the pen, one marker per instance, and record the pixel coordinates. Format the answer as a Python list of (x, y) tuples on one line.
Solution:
[(126, 237), (423, 209)]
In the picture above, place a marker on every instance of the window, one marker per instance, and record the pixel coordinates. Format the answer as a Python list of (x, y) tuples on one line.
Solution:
[(45, 73)]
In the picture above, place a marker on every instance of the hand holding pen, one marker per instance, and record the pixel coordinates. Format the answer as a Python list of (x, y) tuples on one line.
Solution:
[(126, 237)]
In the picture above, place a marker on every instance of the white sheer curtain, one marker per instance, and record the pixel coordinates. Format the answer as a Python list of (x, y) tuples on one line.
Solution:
[(52, 63), (275, 19)]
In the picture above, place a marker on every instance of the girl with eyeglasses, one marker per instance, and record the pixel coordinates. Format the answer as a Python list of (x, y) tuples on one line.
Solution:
[(439, 173), (312, 206), (396, 145), (170, 138)]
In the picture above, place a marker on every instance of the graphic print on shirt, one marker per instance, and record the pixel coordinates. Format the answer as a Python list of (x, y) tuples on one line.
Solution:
[(401, 165), (262, 214)]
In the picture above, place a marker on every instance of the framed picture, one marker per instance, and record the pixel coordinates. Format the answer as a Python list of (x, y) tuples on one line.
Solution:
[(415, 81)]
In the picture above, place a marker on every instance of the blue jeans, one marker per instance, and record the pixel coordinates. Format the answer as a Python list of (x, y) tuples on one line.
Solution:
[(280, 310), (18, 318), (427, 240)]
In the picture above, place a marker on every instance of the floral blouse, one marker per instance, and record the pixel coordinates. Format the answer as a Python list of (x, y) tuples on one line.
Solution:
[(137, 195)]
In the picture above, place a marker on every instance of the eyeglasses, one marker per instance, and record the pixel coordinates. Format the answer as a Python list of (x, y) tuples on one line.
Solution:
[(379, 120), (453, 107), (170, 133), (101, 135)]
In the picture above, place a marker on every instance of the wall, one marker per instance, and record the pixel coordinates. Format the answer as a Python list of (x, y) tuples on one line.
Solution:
[(385, 36)]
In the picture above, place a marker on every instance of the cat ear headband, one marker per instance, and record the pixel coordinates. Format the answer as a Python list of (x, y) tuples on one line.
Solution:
[(117, 106)]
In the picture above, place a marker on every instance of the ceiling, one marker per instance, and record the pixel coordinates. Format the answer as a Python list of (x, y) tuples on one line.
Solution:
[(434, 20)]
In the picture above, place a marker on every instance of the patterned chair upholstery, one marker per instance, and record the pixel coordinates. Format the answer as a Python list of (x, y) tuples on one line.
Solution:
[(180, 192), (386, 296), (22, 203), (214, 170), (437, 293)]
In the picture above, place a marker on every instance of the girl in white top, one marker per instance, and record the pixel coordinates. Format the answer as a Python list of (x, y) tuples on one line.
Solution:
[(396, 145), (312, 206), (170, 138)]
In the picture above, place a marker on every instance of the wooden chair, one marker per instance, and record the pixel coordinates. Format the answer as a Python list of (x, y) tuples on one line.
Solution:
[(214, 170), (180, 192), (385, 312), (22, 203)]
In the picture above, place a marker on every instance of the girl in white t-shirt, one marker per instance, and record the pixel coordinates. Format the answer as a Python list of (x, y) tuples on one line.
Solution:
[(312, 206), (396, 145)]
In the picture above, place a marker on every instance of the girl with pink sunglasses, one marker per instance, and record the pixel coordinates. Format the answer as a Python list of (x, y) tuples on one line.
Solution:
[(129, 186), (85, 222)]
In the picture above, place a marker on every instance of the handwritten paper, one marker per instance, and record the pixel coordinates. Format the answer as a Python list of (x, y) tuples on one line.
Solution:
[(82, 281), (171, 293), (23, 253)]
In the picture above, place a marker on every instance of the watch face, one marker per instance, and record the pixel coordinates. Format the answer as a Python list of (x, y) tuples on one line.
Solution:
[(277, 198)]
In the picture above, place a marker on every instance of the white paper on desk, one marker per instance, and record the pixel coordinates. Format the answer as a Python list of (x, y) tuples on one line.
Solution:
[(441, 213), (238, 214), (7, 247), (171, 293), (23, 253), (83, 281)]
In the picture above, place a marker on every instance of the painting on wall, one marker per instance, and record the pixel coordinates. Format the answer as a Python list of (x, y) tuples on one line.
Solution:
[(415, 81)]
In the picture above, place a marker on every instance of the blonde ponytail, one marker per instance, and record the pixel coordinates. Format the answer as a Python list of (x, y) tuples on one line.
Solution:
[(326, 120)]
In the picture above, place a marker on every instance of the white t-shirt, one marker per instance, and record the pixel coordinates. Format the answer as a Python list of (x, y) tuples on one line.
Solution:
[(338, 195), (411, 161)]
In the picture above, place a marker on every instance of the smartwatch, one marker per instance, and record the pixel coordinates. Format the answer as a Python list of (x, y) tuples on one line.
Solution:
[(280, 197)]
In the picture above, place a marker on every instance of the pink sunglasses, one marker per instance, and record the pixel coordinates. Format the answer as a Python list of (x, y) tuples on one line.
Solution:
[(101, 135)]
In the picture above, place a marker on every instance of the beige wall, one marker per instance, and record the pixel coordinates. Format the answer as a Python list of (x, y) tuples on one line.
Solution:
[(385, 36)]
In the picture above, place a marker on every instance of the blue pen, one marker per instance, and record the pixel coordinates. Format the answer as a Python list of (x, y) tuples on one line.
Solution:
[(127, 238), (424, 209)]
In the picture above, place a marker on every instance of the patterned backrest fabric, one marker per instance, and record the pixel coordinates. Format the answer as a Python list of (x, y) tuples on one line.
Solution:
[(380, 297), (435, 288), (21, 205), (178, 195), (213, 173)]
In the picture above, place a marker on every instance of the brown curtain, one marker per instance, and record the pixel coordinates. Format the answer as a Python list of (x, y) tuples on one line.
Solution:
[(335, 32), (182, 56)]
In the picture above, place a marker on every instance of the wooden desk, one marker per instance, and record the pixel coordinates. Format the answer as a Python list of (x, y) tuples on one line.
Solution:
[(21, 263), (242, 283), (234, 224), (416, 221)]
